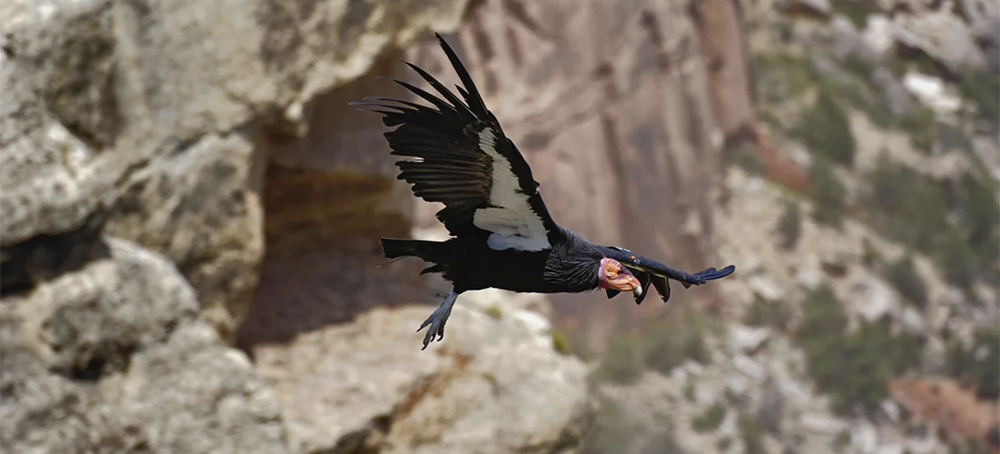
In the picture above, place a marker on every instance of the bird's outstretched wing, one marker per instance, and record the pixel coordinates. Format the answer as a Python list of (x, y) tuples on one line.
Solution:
[(652, 272), (460, 156)]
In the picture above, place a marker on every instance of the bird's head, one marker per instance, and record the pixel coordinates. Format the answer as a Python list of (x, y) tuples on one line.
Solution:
[(613, 276)]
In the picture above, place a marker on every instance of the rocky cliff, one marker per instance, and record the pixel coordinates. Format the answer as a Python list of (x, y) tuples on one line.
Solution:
[(181, 178), (189, 213), (863, 214)]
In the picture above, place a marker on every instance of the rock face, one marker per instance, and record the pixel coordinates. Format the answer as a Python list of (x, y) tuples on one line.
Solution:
[(722, 31), (151, 121), (944, 36), (496, 386), (112, 357), (960, 35), (142, 143), (162, 113)]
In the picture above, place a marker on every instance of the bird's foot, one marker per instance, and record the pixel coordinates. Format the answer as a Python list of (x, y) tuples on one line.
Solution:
[(437, 320)]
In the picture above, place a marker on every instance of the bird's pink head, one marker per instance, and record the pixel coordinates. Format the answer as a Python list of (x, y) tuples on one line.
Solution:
[(613, 276)]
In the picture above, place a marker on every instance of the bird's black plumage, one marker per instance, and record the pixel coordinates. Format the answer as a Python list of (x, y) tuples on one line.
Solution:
[(502, 234)]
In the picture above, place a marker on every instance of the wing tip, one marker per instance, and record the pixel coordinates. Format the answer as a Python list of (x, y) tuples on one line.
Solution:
[(712, 274)]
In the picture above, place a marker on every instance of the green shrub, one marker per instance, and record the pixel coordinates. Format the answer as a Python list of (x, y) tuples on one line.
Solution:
[(969, 447), (828, 195), (922, 127), (842, 441), (745, 157), (790, 225), (853, 368), (914, 210), (954, 138), (659, 346), (982, 88), (689, 389), (560, 342), (826, 130), (622, 362), (491, 378), (903, 275), (956, 259), (856, 88), (869, 255), (972, 368), (668, 344), (494, 312), (823, 318), (662, 442), (710, 419), (781, 76), (977, 200), (859, 67), (768, 117), (857, 12), (752, 435), (905, 205), (772, 314), (608, 430)]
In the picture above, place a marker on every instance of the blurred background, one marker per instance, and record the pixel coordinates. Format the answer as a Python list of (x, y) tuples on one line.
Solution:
[(189, 216)]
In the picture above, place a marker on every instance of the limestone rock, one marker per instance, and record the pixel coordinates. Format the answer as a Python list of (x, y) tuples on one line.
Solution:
[(897, 99), (765, 288), (941, 35), (496, 385), (815, 7), (932, 92), (834, 263), (818, 6), (984, 18), (161, 113), (878, 34), (747, 339), (847, 41), (723, 31), (112, 358), (873, 299), (809, 278), (864, 437)]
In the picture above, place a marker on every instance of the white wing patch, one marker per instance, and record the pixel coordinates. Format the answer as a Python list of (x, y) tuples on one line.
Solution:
[(513, 223)]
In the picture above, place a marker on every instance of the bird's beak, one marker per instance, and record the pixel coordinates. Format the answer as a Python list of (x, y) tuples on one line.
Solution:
[(616, 277)]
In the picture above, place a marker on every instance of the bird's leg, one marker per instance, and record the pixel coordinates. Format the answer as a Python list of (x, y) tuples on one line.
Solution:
[(437, 319)]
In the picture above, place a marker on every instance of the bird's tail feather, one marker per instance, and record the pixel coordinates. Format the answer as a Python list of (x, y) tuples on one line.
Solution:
[(429, 251), (394, 248)]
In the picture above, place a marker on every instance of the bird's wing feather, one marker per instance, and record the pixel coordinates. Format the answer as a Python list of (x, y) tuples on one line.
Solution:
[(461, 157)]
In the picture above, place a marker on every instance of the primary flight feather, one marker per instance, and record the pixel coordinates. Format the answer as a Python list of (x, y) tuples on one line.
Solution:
[(502, 234)]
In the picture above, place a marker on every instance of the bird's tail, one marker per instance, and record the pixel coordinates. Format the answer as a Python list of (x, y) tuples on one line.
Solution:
[(394, 248), (429, 251)]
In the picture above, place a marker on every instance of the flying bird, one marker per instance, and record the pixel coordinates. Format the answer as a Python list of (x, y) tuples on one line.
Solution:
[(502, 235)]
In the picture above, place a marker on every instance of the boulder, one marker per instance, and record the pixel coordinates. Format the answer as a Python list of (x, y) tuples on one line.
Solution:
[(873, 299), (941, 35), (112, 357), (496, 385), (984, 20), (847, 41), (821, 7)]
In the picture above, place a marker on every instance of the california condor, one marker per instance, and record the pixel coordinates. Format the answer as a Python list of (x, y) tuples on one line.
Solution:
[(502, 234)]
